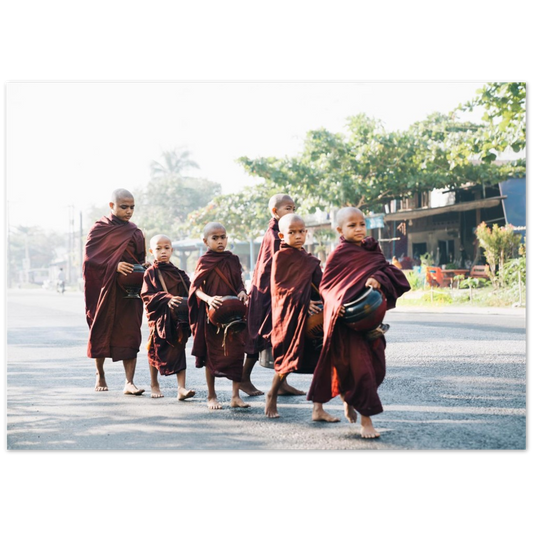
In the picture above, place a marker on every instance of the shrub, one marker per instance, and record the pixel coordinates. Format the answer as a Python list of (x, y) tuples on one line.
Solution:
[(472, 283), (499, 244), (512, 271), (437, 297), (415, 279)]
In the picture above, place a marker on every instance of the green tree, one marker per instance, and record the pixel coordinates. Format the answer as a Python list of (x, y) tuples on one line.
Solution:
[(163, 204), (368, 166), (504, 119), (323, 237), (31, 247), (245, 214), (94, 213)]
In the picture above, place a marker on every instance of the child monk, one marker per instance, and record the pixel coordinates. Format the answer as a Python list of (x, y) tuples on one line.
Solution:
[(164, 288), (350, 364), (217, 274), (294, 272), (259, 306)]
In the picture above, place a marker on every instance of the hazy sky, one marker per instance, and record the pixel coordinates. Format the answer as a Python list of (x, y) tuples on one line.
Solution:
[(73, 143)]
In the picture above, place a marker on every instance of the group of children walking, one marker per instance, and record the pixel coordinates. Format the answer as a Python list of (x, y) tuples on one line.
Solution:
[(288, 286)]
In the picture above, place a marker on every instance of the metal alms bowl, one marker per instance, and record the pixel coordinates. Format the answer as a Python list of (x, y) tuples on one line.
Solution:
[(231, 310), (132, 283), (366, 311)]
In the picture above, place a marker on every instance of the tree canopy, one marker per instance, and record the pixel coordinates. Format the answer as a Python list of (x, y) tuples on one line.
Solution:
[(245, 214), (368, 166), (170, 195), (364, 165), (504, 119)]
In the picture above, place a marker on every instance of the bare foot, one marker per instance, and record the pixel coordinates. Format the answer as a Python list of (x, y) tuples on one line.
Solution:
[(238, 402), (156, 392), (288, 390), (101, 384), (367, 428), (213, 403), (183, 394), (350, 413), (130, 388), (271, 408), (249, 388), (319, 415)]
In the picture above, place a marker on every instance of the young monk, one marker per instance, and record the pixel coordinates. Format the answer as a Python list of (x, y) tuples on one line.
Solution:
[(349, 364), (221, 357), (294, 271), (113, 245), (259, 306), (164, 288)]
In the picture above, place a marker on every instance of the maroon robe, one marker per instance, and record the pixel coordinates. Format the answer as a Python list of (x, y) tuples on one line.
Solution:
[(293, 271), (208, 340), (114, 322), (168, 336), (349, 364), (259, 303)]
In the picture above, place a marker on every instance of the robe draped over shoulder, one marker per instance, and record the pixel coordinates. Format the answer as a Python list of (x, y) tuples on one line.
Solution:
[(293, 273), (208, 340), (114, 322), (259, 304), (168, 336), (349, 364)]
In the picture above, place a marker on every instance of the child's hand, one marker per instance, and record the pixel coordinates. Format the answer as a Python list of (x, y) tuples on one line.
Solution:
[(243, 297), (215, 301), (342, 310), (374, 283), (174, 302), (147, 264), (314, 307)]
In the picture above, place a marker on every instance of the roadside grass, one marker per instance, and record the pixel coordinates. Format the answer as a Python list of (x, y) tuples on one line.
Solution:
[(482, 297)]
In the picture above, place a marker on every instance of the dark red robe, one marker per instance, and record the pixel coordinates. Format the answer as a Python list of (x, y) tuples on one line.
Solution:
[(293, 271), (348, 363), (114, 322), (208, 340), (168, 336), (259, 303)]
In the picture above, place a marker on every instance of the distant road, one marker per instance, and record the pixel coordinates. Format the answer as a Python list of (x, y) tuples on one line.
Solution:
[(454, 381)]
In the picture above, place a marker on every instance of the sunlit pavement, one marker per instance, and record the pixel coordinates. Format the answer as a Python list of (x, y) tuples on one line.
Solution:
[(455, 380)]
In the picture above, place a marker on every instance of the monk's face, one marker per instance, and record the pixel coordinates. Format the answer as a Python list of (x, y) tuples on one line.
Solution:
[(284, 209), (123, 208), (295, 234), (162, 250), (217, 240), (353, 228)]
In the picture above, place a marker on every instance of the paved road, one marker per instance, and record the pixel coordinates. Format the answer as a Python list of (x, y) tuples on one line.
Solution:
[(454, 381)]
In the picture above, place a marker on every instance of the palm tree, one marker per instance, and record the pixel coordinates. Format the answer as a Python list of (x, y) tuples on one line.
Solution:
[(174, 163)]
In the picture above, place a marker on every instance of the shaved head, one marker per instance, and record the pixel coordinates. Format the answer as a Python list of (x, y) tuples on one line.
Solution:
[(122, 204), (213, 227), (156, 238), (345, 213), (287, 220), (278, 200), (120, 194)]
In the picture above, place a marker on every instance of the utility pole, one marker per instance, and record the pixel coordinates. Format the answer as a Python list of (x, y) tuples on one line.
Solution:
[(8, 262), (81, 245), (70, 248), (26, 262), (252, 258)]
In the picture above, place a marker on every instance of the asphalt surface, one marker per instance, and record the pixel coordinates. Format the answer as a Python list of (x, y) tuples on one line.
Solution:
[(455, 380)]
